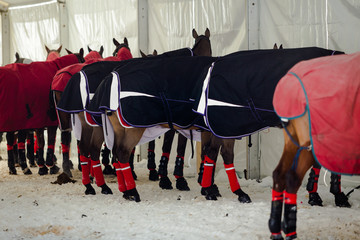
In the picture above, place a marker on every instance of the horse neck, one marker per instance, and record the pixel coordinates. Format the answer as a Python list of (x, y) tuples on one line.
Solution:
[(202, 47)]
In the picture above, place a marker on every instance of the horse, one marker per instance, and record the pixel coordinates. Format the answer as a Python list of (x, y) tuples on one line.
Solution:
[(91, 136), (58, 84), (309, 129), (35, 109)]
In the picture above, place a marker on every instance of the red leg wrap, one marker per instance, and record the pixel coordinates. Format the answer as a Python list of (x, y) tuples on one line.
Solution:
[(99, 177), (128, 177), (85, 167), (166, 155), (208, 171), (35, 144), (120, 177), (277, 196), (65, 148), (51, 147), (234, 183), (10, 147), (290, 198), (21, 145)]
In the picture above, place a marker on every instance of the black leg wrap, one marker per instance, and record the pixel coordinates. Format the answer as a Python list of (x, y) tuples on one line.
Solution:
[(289, 223), (313, 179), (22, 162), (335, 183), (11, 162), (163, 166), (40, 156), (179, 167), (49, 157), (275, 218), (151, 160), (66, 164), (105, 156), (16, 154), (30, 152)]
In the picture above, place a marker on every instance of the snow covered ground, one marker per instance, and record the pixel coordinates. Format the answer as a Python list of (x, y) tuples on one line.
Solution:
[(31, 207)]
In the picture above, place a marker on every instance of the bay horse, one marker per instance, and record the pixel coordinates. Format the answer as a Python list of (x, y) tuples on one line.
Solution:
[(301, 100), (91, 136), (59, 82)]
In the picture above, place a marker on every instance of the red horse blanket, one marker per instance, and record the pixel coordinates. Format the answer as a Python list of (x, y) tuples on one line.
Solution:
[(25, 93), (328, 88)]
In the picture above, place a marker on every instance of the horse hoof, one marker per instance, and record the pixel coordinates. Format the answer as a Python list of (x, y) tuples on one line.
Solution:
[(105, 189), (32, 164), (27, 171), (134, 174), (276, 237), (341, 200), (243, 197), (12, 171), (213, 189), (108, 170), (89, 190), (43, 171), (211, 197), (132, 195), (315, 199), (54, 169), (181, 184), (153, 175), (165, 183), (71, 165)]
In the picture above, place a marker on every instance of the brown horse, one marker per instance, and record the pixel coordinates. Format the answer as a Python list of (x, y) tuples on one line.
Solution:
[(91, 138), (303, 135)]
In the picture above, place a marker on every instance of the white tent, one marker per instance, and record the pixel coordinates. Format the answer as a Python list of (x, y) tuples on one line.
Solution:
[(26, 26)]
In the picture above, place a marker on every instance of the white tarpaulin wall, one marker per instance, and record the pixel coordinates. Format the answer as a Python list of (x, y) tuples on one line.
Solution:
[(234, 25)]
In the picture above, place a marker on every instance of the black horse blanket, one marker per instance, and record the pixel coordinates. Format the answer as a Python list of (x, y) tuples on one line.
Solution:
[(237, 93), (150, 93), (25, 93)]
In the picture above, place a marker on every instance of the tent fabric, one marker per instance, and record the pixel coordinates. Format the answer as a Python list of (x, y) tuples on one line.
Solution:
[(328, 89), (25, 91), (237, 94)]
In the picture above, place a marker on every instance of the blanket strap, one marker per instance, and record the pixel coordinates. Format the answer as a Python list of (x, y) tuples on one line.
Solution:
[(254, 111), (166, 109), (300, 148)]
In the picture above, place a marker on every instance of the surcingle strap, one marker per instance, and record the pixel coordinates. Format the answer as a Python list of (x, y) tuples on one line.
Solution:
[(167, 110)]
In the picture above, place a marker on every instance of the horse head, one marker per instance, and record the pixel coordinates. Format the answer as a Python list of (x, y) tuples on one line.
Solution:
[(79, 55), (53, 53), (276, 47), (18, 59), (120, 45), (202, 45), (101, 51), (149, 55)]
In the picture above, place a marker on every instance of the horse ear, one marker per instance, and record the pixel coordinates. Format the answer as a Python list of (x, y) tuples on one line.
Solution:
[(126, 41), (101, 50), (47, 49), (281, 47), (59, 49), (81, 52), (143, 54), (275, 46), (194, 33), (207, 33), (17, 56), (68, 51), (116, 42), (155, 52), (89, 49)]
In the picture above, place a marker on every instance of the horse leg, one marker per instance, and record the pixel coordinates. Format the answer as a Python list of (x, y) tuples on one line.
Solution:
[(65, 147), (341, 200), (151, 165), (312, 185), (124, 142), (105, 160), (16, 150), (30, 148), (43, 170), (165, 182), (227, 152), (211, 151), (50, 156), (21, 150), (97, 140), (279, 185), (10, 152), (181, 183)]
